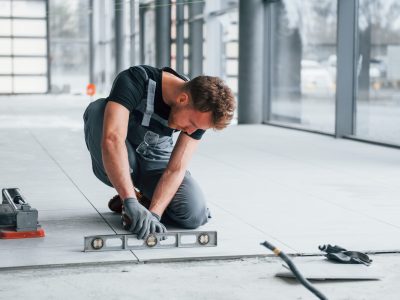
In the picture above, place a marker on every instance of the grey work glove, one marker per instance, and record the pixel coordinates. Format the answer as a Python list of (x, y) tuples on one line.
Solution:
[(142, 221)]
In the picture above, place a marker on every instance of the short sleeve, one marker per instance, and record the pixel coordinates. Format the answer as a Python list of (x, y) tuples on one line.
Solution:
[(197, 134), (128, 88)]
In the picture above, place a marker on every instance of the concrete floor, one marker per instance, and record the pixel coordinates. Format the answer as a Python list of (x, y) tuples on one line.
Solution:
[(295, 189), (233, 279)]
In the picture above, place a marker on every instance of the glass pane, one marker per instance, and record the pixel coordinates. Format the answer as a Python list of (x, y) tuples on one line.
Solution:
[(173, 29), (232, 31), (5, 65), (186, 66), (378, 96), (5, 84), (149, 40), (5, 27), (26, 84), (69, 19), (173, 56), (232, 83), (304, 64), (231, 67), (29, 9), (5, 46), (69, 71), (29, 65), (232, 49), (5, 8), (29, 46), (36, 28), (186, 30)]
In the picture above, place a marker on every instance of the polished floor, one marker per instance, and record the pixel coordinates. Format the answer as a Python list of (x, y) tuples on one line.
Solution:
[(295, 189)]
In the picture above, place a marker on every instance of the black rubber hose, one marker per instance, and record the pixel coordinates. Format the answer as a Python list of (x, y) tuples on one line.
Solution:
[(294, 270)]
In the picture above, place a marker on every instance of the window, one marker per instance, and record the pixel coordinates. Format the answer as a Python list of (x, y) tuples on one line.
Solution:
[(23, 47), (378, 71), (303, 64), (69, 45)]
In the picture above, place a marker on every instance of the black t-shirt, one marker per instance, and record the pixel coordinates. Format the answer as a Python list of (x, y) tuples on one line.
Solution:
[(129, 89)]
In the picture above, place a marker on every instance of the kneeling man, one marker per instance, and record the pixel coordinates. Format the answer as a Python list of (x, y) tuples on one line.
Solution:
[(129, 137)]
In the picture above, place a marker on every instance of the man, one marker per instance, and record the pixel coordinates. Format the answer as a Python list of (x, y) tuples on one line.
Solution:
[(129, 137)]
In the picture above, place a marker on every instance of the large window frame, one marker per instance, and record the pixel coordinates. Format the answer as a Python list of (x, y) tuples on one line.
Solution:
[(12, 56), (346, 77)]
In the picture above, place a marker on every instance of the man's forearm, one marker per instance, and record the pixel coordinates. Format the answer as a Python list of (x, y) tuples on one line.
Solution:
[(116, 164), (166, 190)]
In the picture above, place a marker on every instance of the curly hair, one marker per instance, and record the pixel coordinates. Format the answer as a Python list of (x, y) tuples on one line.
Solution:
[(212, 94)]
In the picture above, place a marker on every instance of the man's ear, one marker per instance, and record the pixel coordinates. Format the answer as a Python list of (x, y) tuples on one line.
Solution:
[(183, 99)]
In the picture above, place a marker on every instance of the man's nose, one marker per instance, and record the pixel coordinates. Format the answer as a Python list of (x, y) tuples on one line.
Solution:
[(190, 130)]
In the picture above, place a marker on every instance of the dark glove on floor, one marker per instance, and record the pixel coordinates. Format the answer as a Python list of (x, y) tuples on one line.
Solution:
[(339, 254)]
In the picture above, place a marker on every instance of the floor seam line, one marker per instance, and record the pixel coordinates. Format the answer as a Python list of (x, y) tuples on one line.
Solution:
[(136, 256), (70, 179)]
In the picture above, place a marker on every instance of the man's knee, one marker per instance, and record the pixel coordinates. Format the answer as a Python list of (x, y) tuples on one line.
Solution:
[(95, 109), (100, 174), (188, 208), (93, 121), (191, 217)]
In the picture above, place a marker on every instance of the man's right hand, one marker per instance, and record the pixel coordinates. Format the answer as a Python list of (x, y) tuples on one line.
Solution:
[(143, 222)]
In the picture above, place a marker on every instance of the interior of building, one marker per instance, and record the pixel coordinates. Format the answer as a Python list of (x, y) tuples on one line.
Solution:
[(310, 157)]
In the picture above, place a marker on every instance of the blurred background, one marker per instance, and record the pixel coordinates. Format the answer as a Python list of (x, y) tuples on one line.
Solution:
[(326, 66)]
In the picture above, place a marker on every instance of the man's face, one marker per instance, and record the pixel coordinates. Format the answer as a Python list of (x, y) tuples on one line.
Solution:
[(188, 119)]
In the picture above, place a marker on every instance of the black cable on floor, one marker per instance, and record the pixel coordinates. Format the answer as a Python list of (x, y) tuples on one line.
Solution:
[(294, 270)]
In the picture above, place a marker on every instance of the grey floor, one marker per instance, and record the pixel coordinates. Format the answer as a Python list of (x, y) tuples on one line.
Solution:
[(292, 188), (250, 278)]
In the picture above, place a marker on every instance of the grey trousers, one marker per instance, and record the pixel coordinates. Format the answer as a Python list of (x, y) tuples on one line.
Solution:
[(187, 208)]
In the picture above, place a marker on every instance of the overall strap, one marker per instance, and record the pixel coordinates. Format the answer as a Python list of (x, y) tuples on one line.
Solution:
[(184, 76), (151, 91), (144, 72)]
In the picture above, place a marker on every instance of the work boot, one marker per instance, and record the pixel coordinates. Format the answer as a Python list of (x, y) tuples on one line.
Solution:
[(142, 199), (115, 203)]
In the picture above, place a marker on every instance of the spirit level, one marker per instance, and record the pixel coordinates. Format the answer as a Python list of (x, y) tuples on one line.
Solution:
[(172, 239)]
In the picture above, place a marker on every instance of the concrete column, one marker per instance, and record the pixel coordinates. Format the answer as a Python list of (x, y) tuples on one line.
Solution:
[(214, 43), (346, 66), (268, 59), (48, 48), (142, 14), (119, 7), (180, 9), (133, 13), (251, 64), (195, 39), (91, 43), (163, 33)]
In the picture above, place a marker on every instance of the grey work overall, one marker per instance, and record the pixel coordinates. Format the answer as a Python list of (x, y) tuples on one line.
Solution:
[(148, 154)]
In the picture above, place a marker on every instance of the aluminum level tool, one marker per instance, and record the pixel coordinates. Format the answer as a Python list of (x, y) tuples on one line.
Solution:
[(172, 239), (17, 218)]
